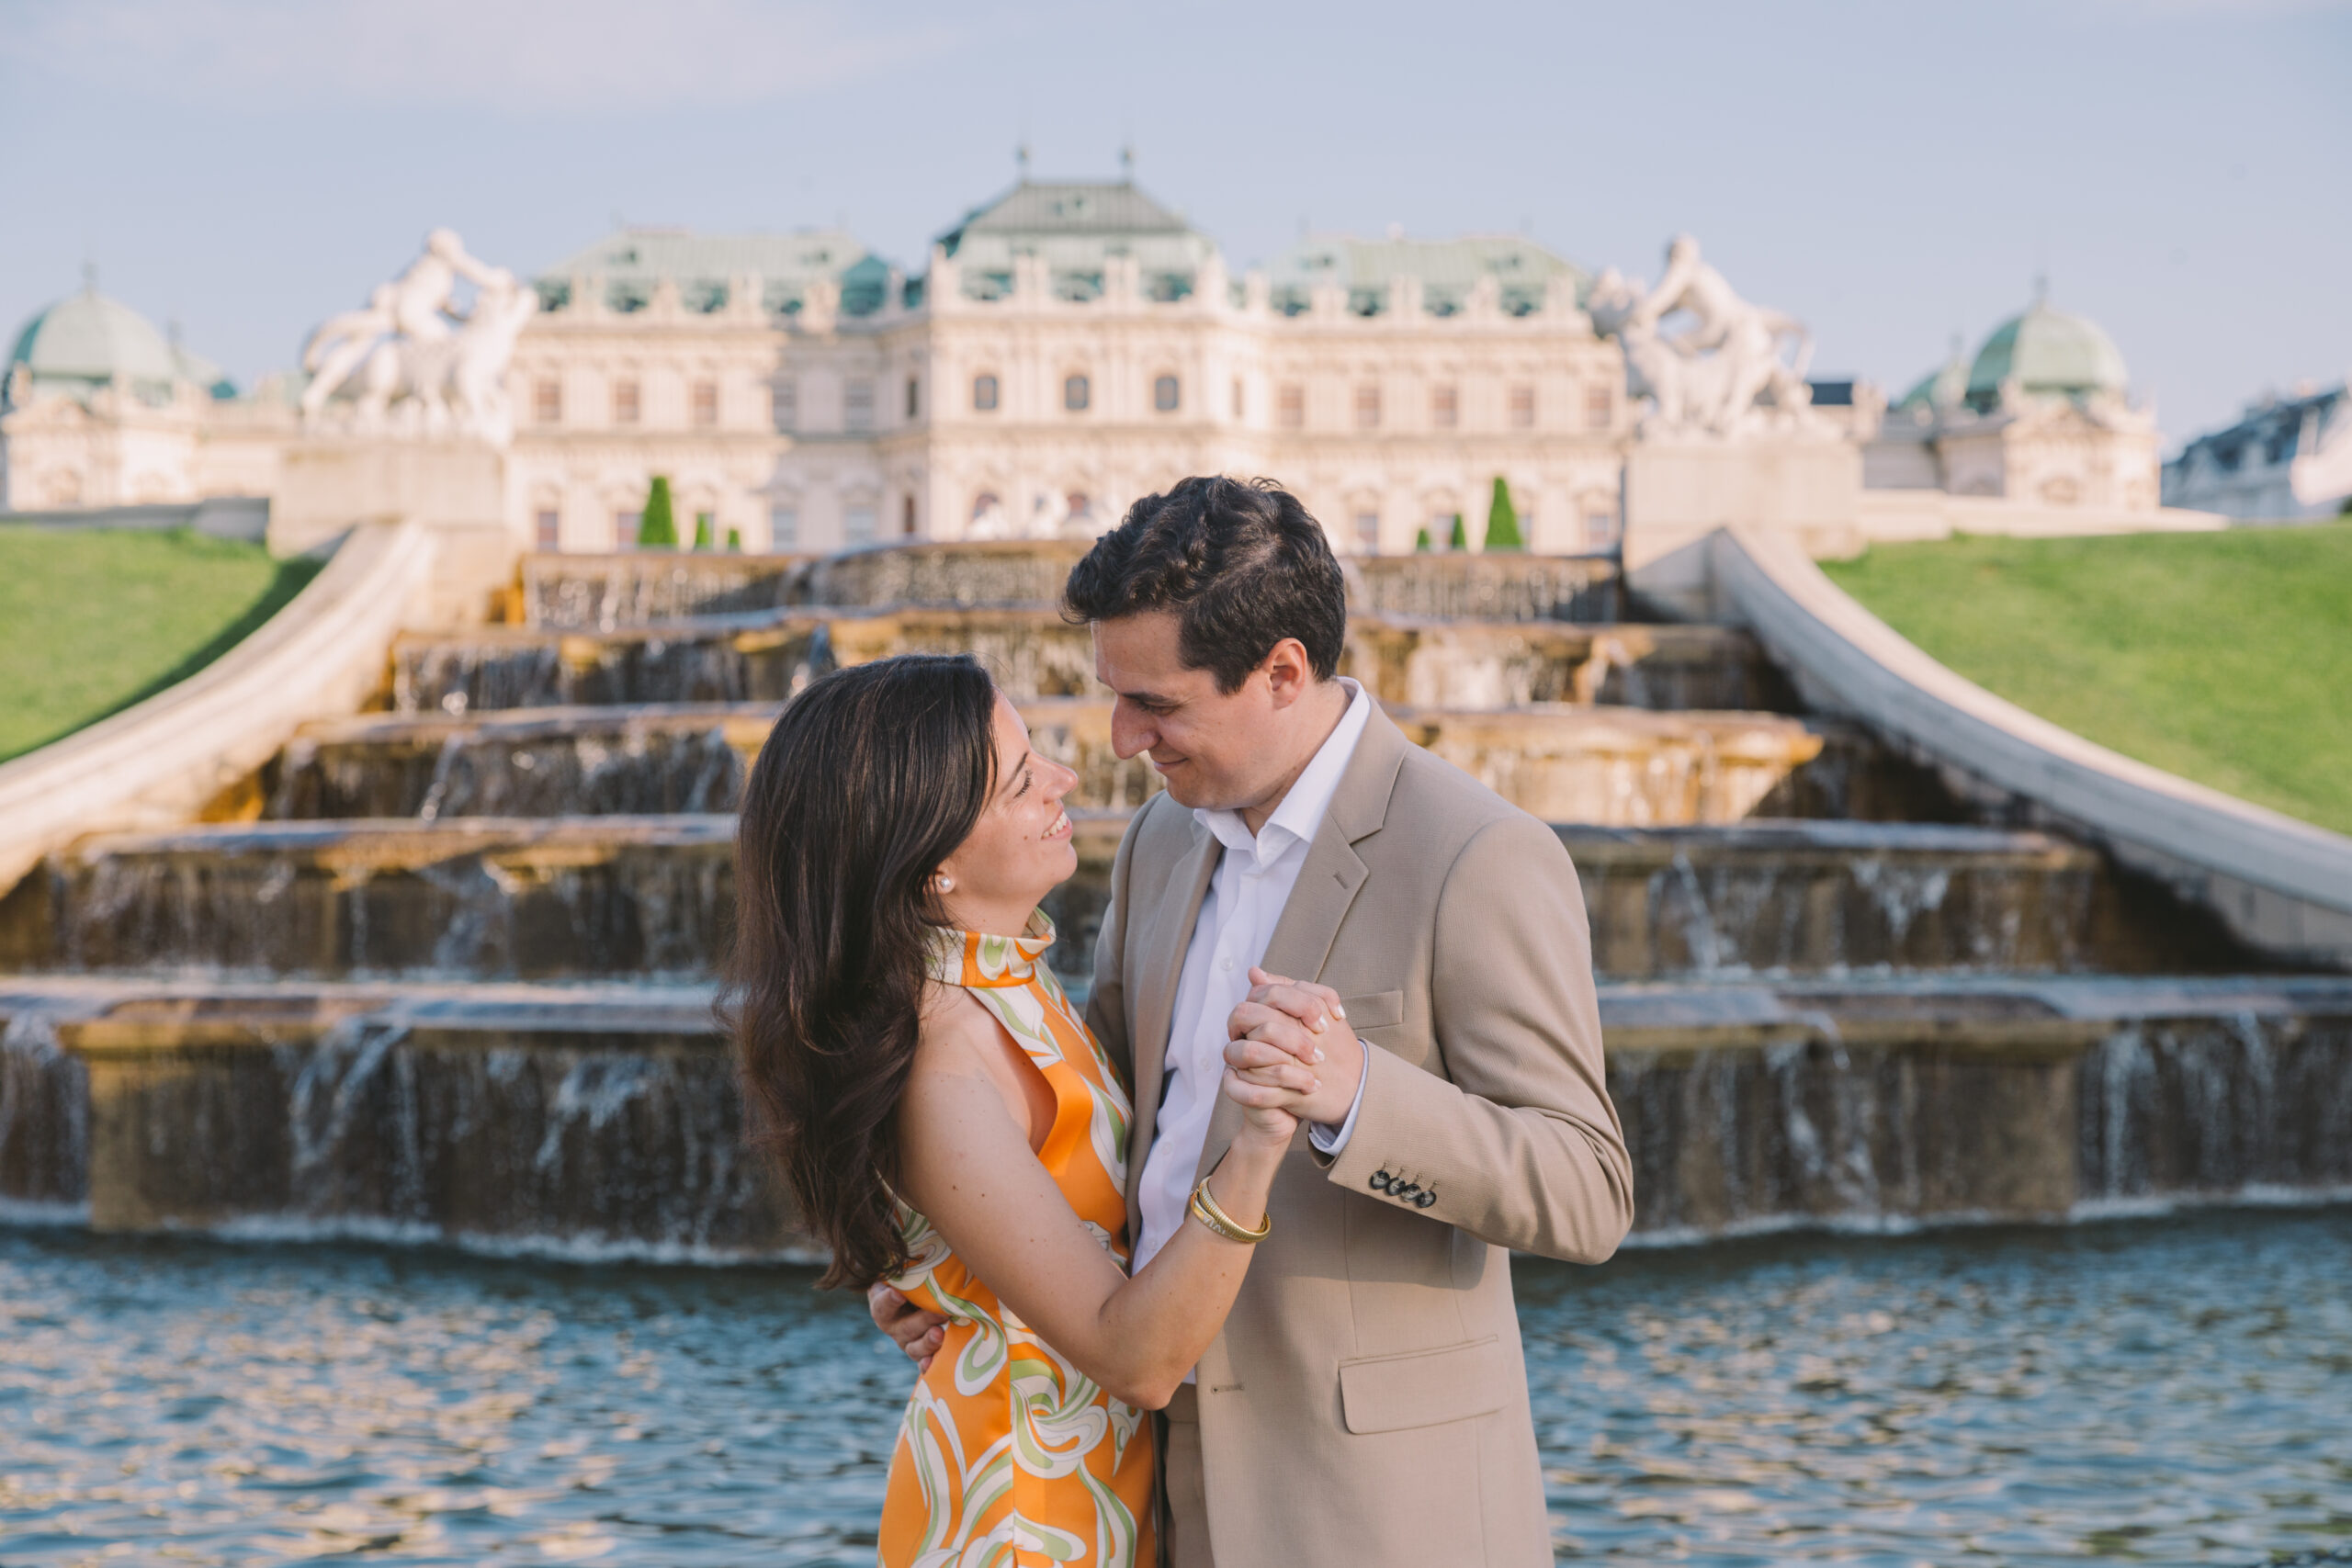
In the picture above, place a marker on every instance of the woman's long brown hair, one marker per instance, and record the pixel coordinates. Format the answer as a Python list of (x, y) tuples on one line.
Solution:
[(873, 777)]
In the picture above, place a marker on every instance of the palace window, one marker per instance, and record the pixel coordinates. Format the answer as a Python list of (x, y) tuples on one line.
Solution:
[(857, 405), (706, 404), (547, 527), (626, 522), (1077, 393), (1239, 406), (784, 525), (1290, 406), (984, 394), (1445, 406), (1599, 528), (1166, 394), (1600, 407), (914, 402), (907, 515), (857, 522), (624, 402), (1368, 406), (546, 402), (1078, 507), (1368, 533), (784, 402), (1522, 408)]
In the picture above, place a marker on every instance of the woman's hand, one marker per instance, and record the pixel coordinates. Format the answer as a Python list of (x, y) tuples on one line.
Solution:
[(1291, 1033), (1269, 1111)]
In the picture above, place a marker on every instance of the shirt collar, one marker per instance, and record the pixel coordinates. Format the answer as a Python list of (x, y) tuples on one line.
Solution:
[(1301, 811)]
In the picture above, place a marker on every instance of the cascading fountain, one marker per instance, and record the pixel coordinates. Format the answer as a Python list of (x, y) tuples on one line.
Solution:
[(454, 981)]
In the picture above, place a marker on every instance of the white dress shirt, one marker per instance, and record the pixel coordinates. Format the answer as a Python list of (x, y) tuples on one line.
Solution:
[(1254, 877)]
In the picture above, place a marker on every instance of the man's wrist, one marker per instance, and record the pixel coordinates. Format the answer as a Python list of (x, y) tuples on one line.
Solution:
[(1330, 1139)]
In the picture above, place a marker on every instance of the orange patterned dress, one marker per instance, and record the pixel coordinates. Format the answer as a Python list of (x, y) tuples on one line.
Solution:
[(1008, 1456)]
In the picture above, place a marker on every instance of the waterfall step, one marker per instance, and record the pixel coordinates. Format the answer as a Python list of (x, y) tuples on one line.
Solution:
[(601, 1118), (766, 656), (584, 593), (1624, 767), (630, 896)]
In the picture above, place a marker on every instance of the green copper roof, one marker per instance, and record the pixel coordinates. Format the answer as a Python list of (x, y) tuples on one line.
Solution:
[(1041, 209), (632, 261), (87, 341), (1941, 389), (1448, 270), (1075, 225), (2047, 353), (89, 337)]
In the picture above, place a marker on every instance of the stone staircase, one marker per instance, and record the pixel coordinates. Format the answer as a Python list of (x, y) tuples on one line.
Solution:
[(452, 982)]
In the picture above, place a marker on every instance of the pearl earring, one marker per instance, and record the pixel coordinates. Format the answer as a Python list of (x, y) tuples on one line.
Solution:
[(946, 883)]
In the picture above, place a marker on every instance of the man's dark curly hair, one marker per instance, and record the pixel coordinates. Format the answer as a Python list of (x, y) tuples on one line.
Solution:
[(1241, 563)]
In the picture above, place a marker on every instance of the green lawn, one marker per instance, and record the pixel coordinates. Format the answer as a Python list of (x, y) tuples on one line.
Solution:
[(2223, 658), (91, 623)]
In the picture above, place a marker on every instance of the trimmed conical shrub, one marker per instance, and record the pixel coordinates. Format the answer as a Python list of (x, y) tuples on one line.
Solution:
[(1502, 521), (1421, 541), (659, 529), (735, 541), (1457, 540), (703, 539)]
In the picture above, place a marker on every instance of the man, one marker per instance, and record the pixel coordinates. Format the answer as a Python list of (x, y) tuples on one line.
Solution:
[(1366, 1403)]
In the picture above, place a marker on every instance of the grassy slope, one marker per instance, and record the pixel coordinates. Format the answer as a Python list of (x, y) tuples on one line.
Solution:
[(91, 623), (2225, 658)]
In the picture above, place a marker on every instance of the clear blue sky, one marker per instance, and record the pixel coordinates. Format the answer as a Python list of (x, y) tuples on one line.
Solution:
[(1892, 172)]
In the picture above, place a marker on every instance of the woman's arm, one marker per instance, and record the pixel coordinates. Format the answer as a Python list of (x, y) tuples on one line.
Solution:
[(966, 1165)]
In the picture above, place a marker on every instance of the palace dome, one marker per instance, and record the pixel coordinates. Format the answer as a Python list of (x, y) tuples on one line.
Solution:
[(2047, 353), (90, 337)]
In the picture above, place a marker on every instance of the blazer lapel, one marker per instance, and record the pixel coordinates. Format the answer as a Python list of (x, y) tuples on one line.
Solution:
[(1159, 963), (1327, 886)]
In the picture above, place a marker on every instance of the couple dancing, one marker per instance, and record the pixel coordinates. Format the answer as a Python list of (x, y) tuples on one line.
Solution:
[(1340, 1055)]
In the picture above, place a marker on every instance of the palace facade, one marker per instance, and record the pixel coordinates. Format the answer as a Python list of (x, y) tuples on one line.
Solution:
[(1069, 347)]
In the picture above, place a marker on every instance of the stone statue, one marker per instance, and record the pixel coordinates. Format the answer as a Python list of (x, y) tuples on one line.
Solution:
[(1723, 376), (422, 295), (341, 345), (412, 363)]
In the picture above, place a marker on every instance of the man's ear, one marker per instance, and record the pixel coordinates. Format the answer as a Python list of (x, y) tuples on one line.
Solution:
[(1289, 672)]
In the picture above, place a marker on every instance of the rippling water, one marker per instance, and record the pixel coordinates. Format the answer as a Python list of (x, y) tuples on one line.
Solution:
[(2162, 1390)]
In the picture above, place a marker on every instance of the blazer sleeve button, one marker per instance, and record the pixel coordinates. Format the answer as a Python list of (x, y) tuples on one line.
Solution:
[(1425, 1200), (1379, 1181), (1404, 1191)]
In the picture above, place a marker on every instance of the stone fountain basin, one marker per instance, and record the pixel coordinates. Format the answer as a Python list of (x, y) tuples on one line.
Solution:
[(604, 1115), (582, 593), (644, 896), (1618, 766), (766, 656)]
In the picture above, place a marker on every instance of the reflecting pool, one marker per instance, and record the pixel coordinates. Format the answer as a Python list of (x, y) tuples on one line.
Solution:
[(2170, 1390)]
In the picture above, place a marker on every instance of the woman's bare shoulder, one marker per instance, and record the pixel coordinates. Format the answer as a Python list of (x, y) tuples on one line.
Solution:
[(958, 1036)]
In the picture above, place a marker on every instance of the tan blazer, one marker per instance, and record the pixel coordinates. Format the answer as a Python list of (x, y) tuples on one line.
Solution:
[(1366, 1403)]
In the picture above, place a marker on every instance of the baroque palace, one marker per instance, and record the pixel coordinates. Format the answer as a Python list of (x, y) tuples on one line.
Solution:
[(1070, 347), (1067, 347)]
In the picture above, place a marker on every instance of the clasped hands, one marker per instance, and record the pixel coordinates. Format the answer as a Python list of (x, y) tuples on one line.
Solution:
[(1287, 1049)]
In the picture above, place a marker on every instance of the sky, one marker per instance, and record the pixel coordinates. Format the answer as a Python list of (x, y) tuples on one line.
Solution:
[(1896, 174)]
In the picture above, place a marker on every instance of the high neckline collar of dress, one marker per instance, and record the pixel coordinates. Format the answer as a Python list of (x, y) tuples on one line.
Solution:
[(977, 959)]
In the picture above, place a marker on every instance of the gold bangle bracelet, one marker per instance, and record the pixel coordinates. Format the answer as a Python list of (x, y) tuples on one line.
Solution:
[(1207, 1209)]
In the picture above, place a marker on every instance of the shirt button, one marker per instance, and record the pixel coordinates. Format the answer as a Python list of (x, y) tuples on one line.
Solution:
[(1227, 964)]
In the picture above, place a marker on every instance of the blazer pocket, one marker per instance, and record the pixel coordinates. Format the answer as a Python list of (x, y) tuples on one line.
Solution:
[(1423, 1388), (1377, 1011)]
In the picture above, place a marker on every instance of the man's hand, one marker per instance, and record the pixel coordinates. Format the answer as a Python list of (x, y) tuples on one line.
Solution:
[(918, 1333), (1283, 1023)]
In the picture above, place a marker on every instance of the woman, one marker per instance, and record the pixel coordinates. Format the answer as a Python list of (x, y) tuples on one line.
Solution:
[(948, 1124)]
